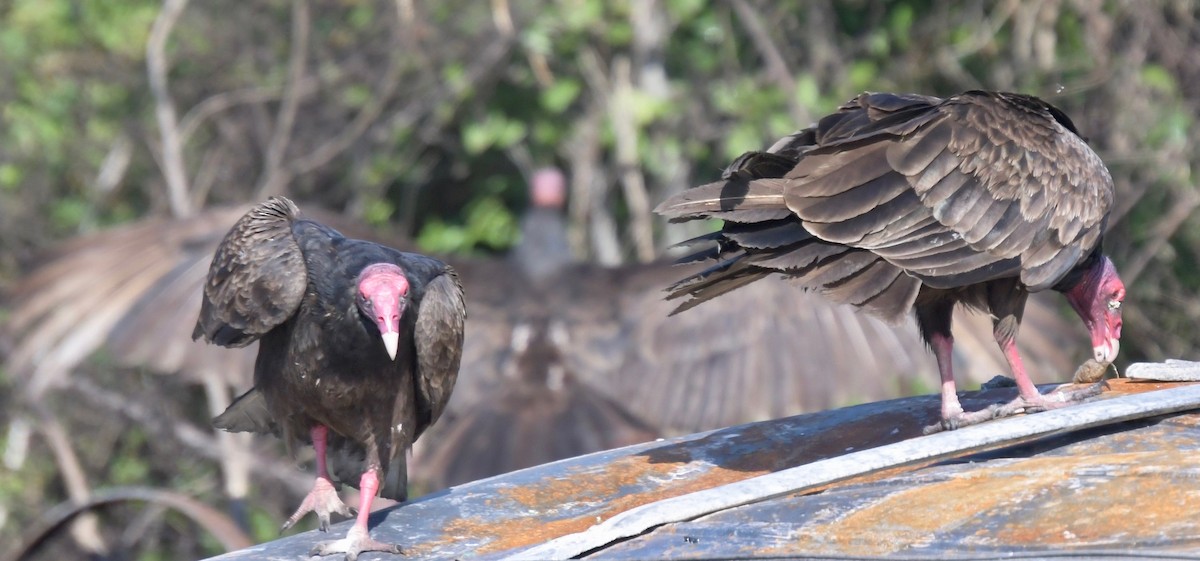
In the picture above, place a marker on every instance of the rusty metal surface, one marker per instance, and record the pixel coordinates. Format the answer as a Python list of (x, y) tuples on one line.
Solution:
[(1130, 485), (1128, 488)]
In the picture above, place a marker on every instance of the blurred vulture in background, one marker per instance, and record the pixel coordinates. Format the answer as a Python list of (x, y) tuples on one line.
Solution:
[(561, 358)]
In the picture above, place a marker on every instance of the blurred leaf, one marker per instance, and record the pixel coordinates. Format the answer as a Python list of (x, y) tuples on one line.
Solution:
[(357, 95), (1157, 77), (378, 212), (489, 224), (647, 108), (560, 94), (808, 94), (620, 33), (685, 9), (744, 137), (68, 214), (583, 14), (900, 24), (862, 74), (10, 176)]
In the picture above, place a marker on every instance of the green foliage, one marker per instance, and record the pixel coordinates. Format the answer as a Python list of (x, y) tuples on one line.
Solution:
[(494, 131), (560, 95), (488, 223)]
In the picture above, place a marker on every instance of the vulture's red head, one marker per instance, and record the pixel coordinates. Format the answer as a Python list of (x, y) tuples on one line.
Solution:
[(382, 296), (1097, 299)]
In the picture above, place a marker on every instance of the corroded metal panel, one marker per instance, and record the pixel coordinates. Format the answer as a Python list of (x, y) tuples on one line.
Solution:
[(1131, 487), (1091, 489)]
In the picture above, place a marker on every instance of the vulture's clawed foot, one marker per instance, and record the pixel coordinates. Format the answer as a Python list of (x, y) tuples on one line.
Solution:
[(323, 500), (357, 541), (963, 419), (1060, 397), (1056, 399)]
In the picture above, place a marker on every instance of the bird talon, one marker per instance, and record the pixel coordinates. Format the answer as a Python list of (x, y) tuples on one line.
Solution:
[(323, 500)]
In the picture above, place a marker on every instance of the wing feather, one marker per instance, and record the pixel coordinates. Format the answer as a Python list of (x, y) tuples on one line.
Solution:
[(257, 278), (439, 340)]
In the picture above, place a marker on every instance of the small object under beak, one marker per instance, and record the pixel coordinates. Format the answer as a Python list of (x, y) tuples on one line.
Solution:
[(391, 341)]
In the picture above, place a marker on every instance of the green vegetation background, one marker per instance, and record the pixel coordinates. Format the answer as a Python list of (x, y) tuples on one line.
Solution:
[(426, 118)]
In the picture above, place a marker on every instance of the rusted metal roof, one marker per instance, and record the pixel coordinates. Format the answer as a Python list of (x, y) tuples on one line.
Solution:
[(1128, 487)]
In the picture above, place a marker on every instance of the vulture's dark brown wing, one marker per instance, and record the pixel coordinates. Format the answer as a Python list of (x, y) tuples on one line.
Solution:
[(952, 192), (257, 278), (438, 339)]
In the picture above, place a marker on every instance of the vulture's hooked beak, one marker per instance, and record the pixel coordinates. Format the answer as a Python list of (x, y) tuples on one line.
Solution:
[(391, 341)]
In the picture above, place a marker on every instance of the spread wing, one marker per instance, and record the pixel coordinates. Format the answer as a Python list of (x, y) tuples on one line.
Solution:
[(135, 289), (893, 188), (257, 277), (439, 340), (977, 187)]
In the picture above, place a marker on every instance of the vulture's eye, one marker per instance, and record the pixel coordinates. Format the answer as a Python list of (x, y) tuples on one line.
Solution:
[(1114, 305)]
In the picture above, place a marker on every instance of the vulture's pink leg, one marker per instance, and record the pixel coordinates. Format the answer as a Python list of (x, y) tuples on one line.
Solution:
[(323, 498), (358, 540), (1030, 399)]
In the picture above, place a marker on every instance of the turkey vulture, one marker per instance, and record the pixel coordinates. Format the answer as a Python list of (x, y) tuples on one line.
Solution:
[(359, 349), (899, 202)]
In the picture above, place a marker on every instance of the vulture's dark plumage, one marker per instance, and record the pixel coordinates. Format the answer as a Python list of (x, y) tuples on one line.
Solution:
[(359, 349), (899, 202)]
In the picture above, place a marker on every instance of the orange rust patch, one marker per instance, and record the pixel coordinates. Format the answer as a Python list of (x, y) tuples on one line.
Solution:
[(587, 484), (604, 486), (1054, 502), (1125, 386), (914, 515), (514, 533), (1145, 487)]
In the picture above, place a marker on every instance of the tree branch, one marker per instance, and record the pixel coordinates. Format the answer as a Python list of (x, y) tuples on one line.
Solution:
[(85, 530), (777, 69), (272, 181), (621, 111), (164, 108)]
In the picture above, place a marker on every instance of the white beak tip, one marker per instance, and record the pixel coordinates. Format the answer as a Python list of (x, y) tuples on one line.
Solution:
[(1107, 352), (391, 342)]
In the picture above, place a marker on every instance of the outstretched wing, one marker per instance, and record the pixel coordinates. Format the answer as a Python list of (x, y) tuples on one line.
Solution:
[(895, 188), (257, 277), (136, 288), (979, 186)]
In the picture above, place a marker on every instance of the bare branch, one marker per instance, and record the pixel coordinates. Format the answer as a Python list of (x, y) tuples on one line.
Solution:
[(502, 17), (589, 184), (486, 64), (85, 530), (201, 442), (223, 101), (220, 526), (777, 69), (621, 114), (271, 181), (164, 108), (1186, 201)]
